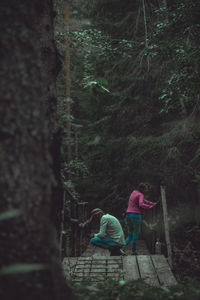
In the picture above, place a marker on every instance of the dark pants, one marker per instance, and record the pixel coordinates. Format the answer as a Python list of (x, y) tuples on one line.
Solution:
[(106, 243)]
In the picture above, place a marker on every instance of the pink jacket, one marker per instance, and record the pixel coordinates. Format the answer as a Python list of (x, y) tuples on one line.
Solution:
[(136, 202)]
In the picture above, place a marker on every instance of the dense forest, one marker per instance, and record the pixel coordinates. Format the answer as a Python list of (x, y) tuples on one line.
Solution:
[(97, 96), (134, 109), (135, 99)]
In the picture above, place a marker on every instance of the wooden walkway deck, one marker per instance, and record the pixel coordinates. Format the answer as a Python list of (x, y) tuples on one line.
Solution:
[(97, 264)]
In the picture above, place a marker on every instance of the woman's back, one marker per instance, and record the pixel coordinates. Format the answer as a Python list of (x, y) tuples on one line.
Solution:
[(137, 201), (133, 203)]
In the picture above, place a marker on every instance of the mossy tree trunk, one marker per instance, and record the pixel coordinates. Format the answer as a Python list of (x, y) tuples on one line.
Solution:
[(28, 72)]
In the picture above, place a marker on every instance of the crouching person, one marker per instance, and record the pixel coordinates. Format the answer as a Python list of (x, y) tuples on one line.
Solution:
[(110, 235)]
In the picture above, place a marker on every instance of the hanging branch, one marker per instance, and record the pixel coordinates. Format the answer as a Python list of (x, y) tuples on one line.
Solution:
[(67, 82), (137, 20), (164, 5), (145, 28)]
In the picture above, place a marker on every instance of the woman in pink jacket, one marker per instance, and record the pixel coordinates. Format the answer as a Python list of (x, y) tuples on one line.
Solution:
[(133, 217)]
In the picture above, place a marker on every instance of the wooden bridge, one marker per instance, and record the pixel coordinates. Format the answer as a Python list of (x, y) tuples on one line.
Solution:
[(94, 263)]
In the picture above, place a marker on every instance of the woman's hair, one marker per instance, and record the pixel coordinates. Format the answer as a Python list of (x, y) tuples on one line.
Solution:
[(143, 185)]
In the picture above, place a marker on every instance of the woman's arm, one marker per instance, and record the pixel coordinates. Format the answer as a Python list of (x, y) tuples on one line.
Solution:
[(147, 202), (144, 203)]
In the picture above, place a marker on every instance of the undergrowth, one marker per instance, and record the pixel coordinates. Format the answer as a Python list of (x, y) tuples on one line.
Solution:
[(135, 290)]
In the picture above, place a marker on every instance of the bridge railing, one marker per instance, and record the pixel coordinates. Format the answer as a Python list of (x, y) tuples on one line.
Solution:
[(152, 227), (75, 226), (156, 226)]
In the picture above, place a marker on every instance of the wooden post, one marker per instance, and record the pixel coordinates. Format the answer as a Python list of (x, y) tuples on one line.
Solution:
[(67, 106), (67, 82), (74, 227), (62, 224), (76, 145), (166, 224), (81, 209)]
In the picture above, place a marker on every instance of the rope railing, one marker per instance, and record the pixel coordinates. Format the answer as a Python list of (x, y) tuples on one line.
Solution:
[(76, 226), (81, 224), (155, 227)]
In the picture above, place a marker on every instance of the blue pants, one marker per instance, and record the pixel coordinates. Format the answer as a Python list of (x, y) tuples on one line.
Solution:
[(133, 222), (106, 243)]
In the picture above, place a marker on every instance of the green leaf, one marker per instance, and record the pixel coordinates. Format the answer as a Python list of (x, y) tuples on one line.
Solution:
[(10, 214), (102, 80), (21, 268), (162, 96)]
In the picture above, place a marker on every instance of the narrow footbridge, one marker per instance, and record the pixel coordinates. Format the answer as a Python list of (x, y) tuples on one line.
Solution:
[(96, 264)]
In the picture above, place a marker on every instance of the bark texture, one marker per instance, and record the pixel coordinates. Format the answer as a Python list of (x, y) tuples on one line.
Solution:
[(28, 72)]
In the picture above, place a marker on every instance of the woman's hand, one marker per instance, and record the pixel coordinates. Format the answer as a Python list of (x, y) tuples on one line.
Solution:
[(156, 203), (91, 235)]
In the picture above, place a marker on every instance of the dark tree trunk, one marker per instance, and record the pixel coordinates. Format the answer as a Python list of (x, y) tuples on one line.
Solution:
[(28, 71)]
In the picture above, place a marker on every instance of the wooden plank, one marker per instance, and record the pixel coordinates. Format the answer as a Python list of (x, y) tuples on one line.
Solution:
[(68, 266), (115, 268), (86, 266), (83, 268), (69, 262), (73, 261), (65, 262), (101, 267), (114, 259), (83, 265), (163, 270), (83, 262), (97, 255), (100, 258), (84, 259), (98, 264), (146, 269), (98, 269), (130, 268)]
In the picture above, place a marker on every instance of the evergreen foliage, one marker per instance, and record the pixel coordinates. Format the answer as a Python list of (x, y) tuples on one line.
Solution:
[(136, 96)]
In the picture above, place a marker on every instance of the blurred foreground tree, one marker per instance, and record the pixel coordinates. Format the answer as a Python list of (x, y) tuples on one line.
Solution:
[(29, 154)]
